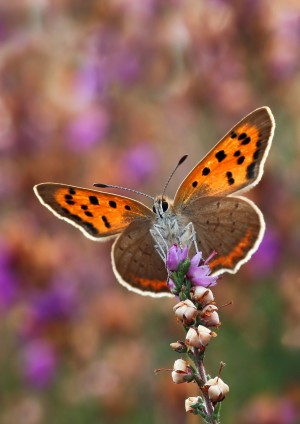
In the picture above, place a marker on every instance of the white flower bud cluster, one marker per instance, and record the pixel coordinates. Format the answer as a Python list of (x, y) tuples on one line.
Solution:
[(186, 311), (198, 314)]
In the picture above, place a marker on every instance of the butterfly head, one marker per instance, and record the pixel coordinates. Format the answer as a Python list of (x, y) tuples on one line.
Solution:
[(161, 205)]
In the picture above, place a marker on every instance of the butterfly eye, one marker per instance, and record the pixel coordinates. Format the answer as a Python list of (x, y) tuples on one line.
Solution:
[(164, 205)]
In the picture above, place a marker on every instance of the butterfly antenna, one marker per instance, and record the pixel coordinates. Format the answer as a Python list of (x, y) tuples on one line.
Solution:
[(181, 160), (122, 188)]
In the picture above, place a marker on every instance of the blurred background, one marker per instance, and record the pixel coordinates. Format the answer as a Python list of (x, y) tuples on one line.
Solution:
[(117, 91)]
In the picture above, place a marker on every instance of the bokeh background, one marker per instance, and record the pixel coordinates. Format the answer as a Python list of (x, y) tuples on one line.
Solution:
[(117, 91)]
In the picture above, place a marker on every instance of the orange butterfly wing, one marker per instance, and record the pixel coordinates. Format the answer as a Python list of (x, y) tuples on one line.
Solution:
[(97, 214), (235, 163)]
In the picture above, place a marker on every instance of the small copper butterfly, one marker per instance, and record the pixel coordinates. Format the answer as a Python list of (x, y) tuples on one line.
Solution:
[(233, 226)]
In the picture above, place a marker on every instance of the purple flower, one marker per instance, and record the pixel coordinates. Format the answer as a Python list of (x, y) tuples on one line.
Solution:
[(39, 363), (199, 272), (175, 256)]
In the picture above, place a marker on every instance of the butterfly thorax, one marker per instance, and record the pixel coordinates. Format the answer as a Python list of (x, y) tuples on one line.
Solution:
[(168, 226)]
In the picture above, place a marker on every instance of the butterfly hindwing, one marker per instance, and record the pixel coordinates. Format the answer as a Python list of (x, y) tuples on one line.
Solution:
[(231, 226), (97, 214), (235, 163), (136, 262)]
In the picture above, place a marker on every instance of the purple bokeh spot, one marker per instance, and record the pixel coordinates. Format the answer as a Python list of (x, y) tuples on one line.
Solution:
[(8, 279), (127, 67), (39, 363), (288, 413), (87, 129), (267, 255), (141, 161), (56, 303)]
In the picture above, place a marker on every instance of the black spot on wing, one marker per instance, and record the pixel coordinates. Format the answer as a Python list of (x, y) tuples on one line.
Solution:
[(105, 221), (93, 200), (72, 190), (246, 141), (237, 153), (90, 228), (205, 171), (127, 207), (88, 213), (75, 218), (256, 154), (230, 179), (69, 199), (195, 183), (250, 172), (84, 207), (220, 155), (242, 136), (233, 134), (240, 160), (112, 204)]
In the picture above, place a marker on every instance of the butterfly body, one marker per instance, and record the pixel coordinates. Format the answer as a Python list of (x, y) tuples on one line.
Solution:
[(170, 226), (223, 221)]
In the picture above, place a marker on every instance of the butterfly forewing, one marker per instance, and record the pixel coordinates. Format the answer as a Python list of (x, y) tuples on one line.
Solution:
[(234, 164), (97, 214)]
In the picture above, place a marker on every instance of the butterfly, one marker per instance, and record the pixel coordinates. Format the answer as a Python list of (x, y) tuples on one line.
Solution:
[(231, 225)]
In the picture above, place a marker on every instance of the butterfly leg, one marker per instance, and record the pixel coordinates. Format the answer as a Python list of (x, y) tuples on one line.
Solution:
[(161, 246), (188, 236)]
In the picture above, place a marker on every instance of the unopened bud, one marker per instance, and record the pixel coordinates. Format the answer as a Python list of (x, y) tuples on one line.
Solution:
[(199, 337), (185, 311), (216, 389), (209, 316), (202, 295), (182, 372), (189, 402), (179, 347)]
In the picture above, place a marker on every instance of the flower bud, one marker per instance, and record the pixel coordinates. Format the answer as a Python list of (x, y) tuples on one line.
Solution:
[(189, 402), (202, 295), (185, 311), (210, 316), (179, 347), (199, 337), (182, 372), (216, 389), (192, 338)]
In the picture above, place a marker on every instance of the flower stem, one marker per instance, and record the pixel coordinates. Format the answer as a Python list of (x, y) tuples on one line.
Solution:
[(201, 370)]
